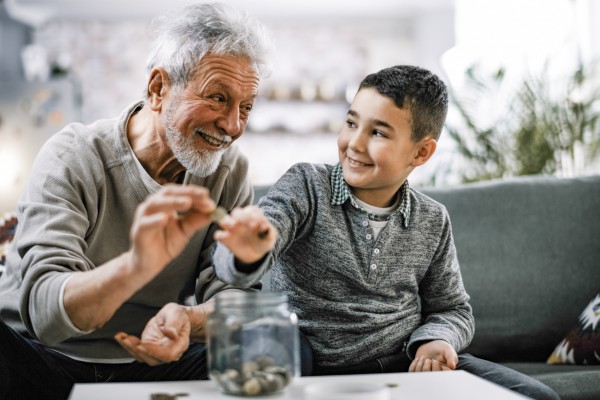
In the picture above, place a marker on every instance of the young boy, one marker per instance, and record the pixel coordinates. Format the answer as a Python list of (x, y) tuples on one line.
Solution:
[(368, 263)]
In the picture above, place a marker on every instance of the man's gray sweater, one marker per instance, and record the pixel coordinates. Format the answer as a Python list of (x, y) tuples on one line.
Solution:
[(75, 214)]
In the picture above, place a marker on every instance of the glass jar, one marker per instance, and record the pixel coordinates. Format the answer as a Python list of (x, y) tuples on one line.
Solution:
[(253, 343)]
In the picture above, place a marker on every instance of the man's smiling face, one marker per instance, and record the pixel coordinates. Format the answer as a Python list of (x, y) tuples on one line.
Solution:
[(205, 117)]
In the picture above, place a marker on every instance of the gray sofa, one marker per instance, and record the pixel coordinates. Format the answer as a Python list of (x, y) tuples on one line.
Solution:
[(529, 250)]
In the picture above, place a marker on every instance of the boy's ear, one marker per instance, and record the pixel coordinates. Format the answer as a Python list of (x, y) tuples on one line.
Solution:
[(425, 149), (158, 83)]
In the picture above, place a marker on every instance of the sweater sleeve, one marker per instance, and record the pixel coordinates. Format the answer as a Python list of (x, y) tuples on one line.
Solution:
[(56, 209), (287, 205), (444, 301), (230, 189)]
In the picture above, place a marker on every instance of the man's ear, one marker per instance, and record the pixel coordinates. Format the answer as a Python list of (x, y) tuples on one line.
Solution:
[(158, 84), (425, 149)]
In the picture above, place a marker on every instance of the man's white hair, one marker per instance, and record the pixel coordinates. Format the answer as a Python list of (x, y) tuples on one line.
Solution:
[(183, 37)]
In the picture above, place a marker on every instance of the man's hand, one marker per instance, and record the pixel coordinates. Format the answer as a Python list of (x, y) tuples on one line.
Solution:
[(162, 227), (436, 355), (247, 233), (165, 338), (164, 224)]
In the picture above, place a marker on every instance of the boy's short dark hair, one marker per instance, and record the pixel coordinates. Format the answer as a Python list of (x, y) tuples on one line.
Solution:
[(420, 90)]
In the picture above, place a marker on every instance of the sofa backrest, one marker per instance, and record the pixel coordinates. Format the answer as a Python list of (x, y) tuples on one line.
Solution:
[(529, 251)]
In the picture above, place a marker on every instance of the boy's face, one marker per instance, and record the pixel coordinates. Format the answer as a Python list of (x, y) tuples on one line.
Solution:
[(375, 147)]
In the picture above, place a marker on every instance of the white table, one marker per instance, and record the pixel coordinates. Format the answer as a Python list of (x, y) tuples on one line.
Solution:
[(454, 385)]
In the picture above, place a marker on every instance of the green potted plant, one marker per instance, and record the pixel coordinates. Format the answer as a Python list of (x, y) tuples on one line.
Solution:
[(537, 125)]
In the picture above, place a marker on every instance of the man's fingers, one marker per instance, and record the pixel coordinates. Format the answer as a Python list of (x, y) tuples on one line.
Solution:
[(164, 354), (192, 191), (170, 332), (129, 344), (133, 345), (142, 354), (178, 198), (125, 339)]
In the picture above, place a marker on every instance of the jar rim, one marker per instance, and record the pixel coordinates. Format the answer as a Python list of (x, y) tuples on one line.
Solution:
[(238, 298)]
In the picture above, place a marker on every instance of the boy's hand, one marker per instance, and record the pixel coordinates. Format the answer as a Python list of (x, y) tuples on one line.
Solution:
[(247, 233), (436, 355)]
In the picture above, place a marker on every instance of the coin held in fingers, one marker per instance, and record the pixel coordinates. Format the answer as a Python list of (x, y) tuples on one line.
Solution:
[(220, 212)]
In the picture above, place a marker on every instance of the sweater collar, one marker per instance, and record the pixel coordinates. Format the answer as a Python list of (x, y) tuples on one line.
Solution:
[(340, 193)]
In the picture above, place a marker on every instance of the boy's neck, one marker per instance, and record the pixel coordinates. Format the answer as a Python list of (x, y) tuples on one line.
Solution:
[(386, 210), (377, 198)]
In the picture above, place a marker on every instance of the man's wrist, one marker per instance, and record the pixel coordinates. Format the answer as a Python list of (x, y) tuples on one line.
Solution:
[(198, 317)]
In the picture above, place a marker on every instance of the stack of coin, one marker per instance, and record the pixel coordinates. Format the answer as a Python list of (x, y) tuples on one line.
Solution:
[(254, 377)]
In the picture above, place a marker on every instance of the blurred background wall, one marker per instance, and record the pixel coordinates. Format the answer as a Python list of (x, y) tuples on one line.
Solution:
[(66, 60)]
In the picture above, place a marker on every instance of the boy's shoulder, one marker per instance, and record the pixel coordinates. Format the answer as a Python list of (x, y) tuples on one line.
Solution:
[(313, 172), (305, 180), (314, 168), (422, 203)]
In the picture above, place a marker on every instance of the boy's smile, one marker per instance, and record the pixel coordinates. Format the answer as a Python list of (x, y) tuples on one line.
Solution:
[(375, 147)]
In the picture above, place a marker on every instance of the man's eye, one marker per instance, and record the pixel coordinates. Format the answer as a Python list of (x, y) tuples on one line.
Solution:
[(248, 108), (218, 98)]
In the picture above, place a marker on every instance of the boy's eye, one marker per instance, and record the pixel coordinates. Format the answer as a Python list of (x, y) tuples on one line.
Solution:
[(350, 124), (379, 133)]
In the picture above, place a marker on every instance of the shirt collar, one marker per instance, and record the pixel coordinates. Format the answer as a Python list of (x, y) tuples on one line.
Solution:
[(340, 193)]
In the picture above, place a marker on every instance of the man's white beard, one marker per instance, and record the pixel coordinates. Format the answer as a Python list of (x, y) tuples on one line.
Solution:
[(197, 160)]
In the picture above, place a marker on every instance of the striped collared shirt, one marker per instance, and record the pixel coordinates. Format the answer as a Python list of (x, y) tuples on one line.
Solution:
[(340, 193)]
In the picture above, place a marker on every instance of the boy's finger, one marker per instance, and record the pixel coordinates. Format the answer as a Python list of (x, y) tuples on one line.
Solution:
[(427, 365)]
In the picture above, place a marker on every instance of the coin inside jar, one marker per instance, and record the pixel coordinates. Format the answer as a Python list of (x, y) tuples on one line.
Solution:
[(255, 377)]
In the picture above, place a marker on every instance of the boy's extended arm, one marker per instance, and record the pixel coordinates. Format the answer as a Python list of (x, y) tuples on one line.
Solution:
[(241, 256), (247, 233), (244, 251)]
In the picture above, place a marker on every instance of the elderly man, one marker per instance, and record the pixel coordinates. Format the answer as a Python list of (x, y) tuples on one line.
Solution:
[(110, 276)]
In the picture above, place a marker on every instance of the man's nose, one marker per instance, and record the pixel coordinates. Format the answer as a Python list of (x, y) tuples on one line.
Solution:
[(230, 122)]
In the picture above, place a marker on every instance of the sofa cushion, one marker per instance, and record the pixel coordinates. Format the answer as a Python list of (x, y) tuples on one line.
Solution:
[(580, 385), (528, 251), (539, 368), (581, 345), (571, 382)]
